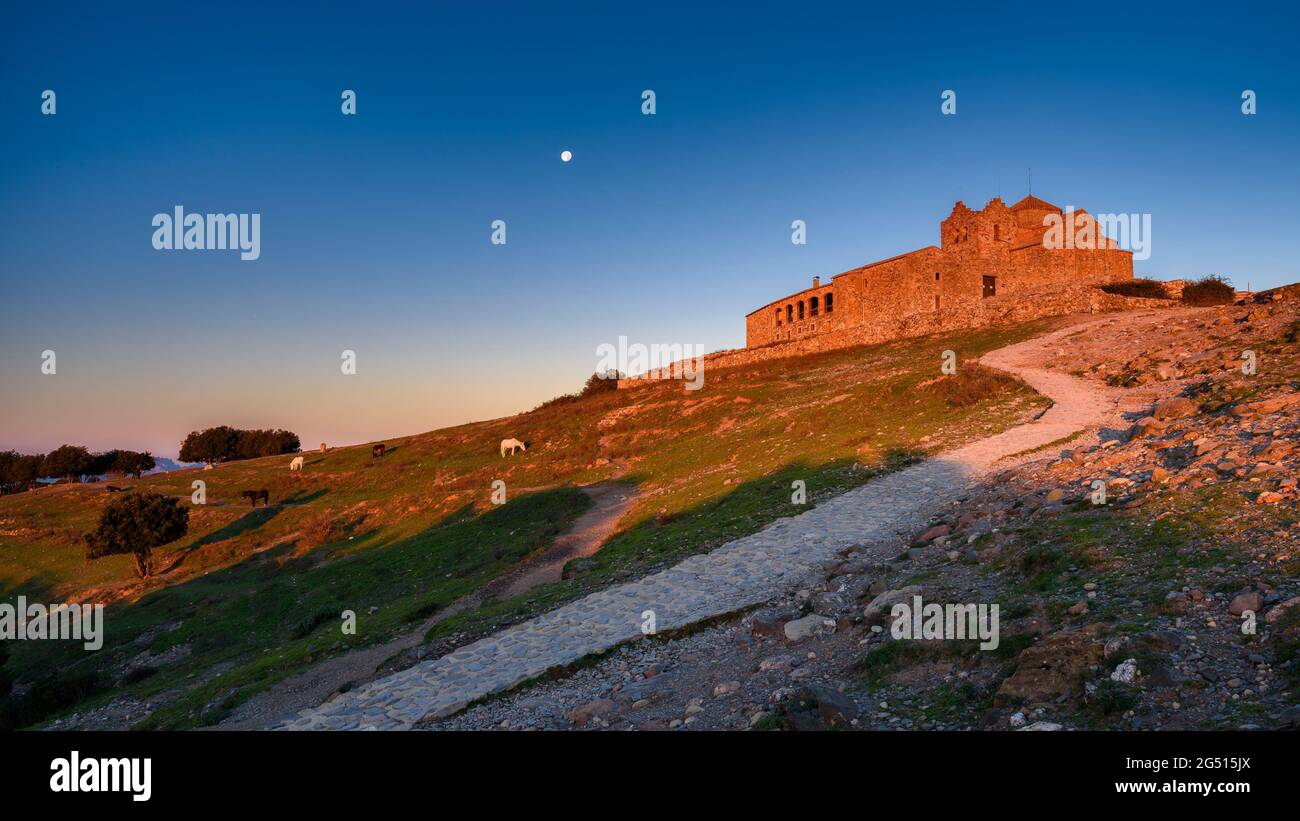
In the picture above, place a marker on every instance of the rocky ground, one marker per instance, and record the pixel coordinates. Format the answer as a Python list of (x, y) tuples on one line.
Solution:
[(1145, 574)]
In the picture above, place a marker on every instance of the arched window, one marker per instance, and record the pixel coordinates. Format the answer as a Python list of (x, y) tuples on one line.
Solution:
[(830, 304), (778, 317), (801, 309), (812, 307)]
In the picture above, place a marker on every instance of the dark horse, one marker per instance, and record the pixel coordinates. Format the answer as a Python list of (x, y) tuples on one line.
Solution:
[(377, 450), (115, 489), (254, 495)]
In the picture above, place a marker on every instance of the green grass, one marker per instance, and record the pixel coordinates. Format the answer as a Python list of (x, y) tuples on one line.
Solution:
[(271, 614), (258, 593)]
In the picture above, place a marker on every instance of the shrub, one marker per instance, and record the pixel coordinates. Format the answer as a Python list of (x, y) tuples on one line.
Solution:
[(601, 383), (973, 383), (1143, 288), (52, 694), (136, 523), (597, 383), (1213, 290)]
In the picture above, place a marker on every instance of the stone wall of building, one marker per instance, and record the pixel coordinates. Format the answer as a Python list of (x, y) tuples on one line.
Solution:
[(997, 251), (1004, 309)]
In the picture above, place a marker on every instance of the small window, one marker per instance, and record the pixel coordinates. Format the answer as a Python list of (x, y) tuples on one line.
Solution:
[(778, 317), (801, 309), (812, 307), (997, 232), (789, 314), (936, 276), (830, 304), (936, 302), (990, 286)]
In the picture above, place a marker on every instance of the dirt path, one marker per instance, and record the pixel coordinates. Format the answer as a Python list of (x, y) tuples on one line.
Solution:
[(589, 533), (591, 530)]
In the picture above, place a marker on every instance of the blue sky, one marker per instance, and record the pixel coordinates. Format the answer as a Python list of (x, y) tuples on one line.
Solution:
[(375, 228)]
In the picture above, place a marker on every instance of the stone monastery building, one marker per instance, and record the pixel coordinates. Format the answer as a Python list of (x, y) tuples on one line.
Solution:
[(992, 262)]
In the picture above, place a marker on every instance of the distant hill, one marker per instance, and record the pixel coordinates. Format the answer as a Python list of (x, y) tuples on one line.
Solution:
[(164, 465)]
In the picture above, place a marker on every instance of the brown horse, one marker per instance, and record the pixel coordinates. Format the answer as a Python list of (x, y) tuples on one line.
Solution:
[(377, 451), (253, 495)]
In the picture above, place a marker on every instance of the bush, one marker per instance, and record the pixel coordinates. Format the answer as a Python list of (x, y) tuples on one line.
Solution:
[(1143, 288), (1213, 290), (973, 383), (597, 383), (52, 694), (601, 383), (136, 523)]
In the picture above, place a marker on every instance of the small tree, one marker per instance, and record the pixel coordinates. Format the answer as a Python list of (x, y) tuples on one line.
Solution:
[(213, 445), (136, 523), (24, 470), (67, 461), (131, 463)]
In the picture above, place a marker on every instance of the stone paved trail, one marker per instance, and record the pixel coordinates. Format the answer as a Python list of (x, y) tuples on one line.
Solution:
[(742, 573)]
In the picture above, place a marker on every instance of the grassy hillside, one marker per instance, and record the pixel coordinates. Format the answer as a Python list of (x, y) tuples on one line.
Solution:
[(251, 596)]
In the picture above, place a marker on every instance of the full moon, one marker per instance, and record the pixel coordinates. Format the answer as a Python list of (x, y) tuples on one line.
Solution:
[(566, 155)]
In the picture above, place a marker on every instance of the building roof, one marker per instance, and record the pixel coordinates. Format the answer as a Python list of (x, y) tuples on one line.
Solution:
[(1034, 203)]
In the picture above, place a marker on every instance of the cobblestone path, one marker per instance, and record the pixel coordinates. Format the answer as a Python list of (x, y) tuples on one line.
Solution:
[(741, 573)]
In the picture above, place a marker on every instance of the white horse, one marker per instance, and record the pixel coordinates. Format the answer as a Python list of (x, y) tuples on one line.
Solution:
[(512, 444), (296, 464)]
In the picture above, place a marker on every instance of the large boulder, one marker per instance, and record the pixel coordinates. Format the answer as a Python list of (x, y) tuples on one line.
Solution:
[(808, 626), (770, 623), (877, 612), (1174, 407), (592, 709), (1053, 667), (1250, 600), (833, 707)]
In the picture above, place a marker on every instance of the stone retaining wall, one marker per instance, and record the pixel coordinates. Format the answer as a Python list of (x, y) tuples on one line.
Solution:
[(1000, 310)]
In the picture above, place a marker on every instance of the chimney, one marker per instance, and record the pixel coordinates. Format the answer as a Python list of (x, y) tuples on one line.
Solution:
[(817, 281)]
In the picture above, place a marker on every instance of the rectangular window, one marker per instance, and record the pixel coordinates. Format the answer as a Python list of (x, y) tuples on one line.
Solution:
[(990, 286)]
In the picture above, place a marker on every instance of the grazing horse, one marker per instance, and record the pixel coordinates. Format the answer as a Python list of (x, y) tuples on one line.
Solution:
[(115, 489), (254, 495), (296, 464), (322, 447), (512, 444), (377, 450)]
